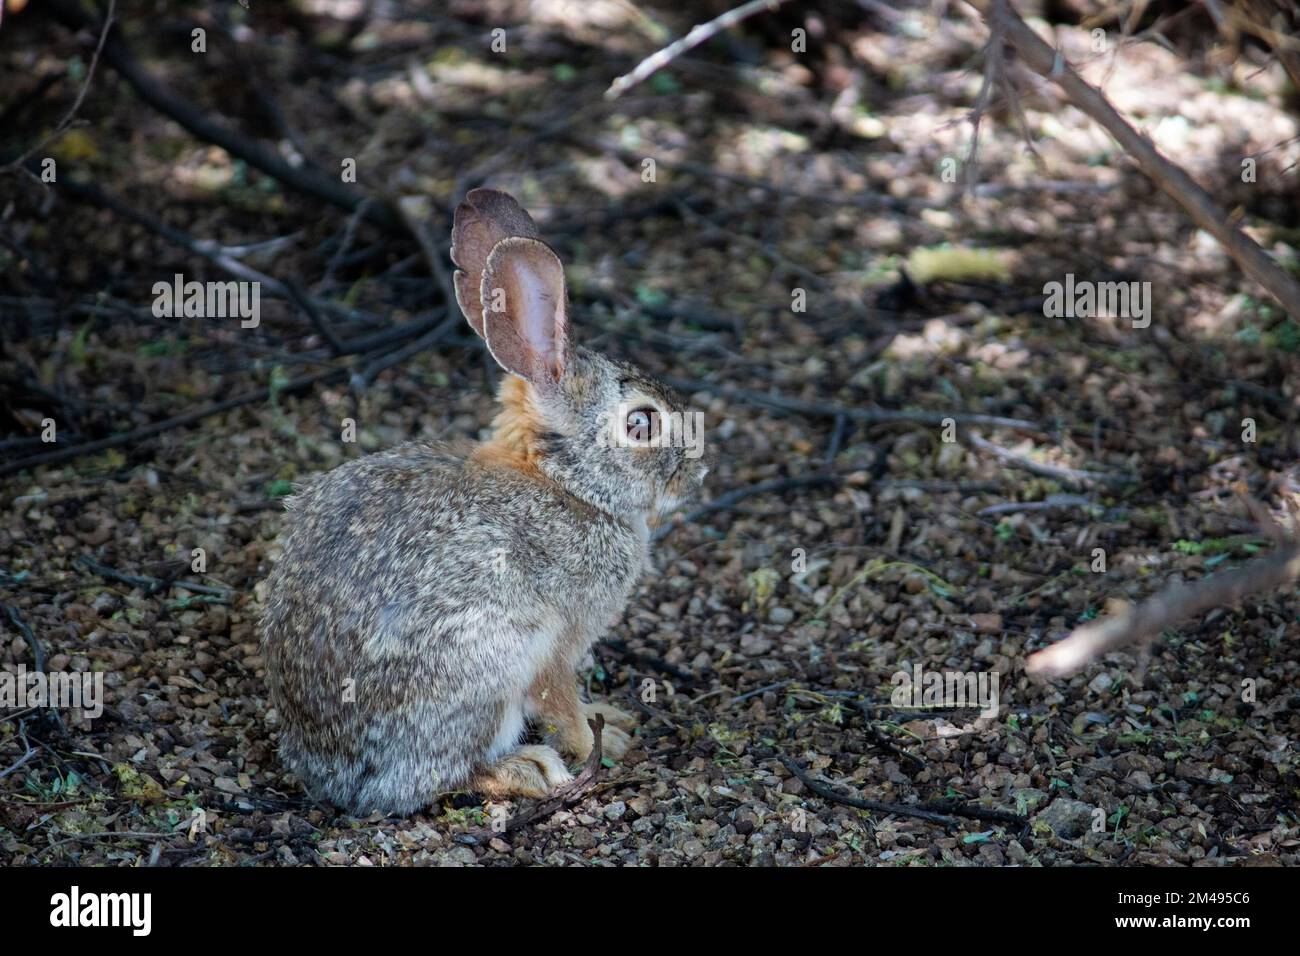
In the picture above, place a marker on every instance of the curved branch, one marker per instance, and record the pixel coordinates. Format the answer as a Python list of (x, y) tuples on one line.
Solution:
[(1175, 603), (1196, 202)]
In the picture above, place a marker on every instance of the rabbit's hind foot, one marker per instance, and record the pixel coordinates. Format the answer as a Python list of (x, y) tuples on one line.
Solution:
[(532, 771), (615, 740), (613, 716)]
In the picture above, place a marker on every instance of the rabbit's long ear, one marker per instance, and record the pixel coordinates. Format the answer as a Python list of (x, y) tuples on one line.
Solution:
[(525, 310), (484, 218)]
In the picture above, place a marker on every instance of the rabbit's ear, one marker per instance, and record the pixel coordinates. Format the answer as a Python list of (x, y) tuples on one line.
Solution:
[(525, 310), (485, 218)]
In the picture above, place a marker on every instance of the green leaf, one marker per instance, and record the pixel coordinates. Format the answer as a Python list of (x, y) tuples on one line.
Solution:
[(653, 298), (162, 347), (665, 84), (279, 488), (77, 350), (1285, 337)]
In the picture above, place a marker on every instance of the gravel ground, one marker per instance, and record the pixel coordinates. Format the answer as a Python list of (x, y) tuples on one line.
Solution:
[(760, 655)]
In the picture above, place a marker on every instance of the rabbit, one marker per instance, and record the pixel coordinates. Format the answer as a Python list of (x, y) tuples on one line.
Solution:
[(430, 602)]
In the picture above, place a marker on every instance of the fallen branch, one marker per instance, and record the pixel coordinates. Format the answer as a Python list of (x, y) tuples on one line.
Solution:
[(994, 75), (293, 386), (883, 740), (948, 818), (151, 585), (213, 252), (38, 654), (102, 835), (1177, 602), (1066, 476), (305, 302), (1196, 202), (31, 751), (660, 666), (33, 642), (1050, 503), (289, 290), (373, 343), (362, 379)]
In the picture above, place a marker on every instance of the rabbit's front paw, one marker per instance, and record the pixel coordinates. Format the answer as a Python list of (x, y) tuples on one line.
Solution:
[(531, 771)]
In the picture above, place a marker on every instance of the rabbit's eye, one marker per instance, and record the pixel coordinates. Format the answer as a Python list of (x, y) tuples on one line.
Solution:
[(642, 424)]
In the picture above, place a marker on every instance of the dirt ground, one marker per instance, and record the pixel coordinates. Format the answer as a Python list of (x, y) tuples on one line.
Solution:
[(764, 645)]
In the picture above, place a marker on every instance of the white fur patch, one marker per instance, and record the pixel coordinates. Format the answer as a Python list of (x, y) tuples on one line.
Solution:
[(538, 650), (509, 733)]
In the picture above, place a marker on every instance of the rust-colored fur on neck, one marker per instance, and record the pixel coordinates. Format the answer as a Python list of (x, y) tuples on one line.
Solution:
[(516, 431)]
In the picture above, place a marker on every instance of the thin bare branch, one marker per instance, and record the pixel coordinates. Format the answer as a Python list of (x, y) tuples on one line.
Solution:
[(66, 122), (1073, 477), (1177, 602), (700, 33)]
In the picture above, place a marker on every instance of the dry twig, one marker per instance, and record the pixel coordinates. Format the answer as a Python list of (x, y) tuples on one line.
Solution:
[(698, 34), (68, 117)]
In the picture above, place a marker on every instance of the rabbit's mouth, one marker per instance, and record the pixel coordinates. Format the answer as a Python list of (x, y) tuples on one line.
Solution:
[(682, 484)]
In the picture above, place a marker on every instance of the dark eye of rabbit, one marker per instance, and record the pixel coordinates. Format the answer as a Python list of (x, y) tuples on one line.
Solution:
[(642, 424)]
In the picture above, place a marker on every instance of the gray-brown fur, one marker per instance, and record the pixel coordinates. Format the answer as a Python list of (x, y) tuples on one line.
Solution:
[(428, 602)]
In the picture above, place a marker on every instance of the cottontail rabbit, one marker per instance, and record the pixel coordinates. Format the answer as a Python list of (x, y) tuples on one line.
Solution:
[(428, 603)]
